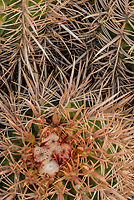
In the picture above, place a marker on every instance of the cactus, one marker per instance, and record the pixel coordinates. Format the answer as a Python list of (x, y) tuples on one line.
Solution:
[(66, 100), (68, 150), (42, 36)]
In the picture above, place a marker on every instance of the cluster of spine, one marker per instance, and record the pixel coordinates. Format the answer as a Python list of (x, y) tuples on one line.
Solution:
[(101, 37), (50, 154), (82, 153)]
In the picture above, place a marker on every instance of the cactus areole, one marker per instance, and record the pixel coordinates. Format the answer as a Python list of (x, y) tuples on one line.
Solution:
[(51, 154)]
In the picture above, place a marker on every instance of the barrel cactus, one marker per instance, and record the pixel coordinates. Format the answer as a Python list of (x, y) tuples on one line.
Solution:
[(78, 149), (37, 36), (66, 100)]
